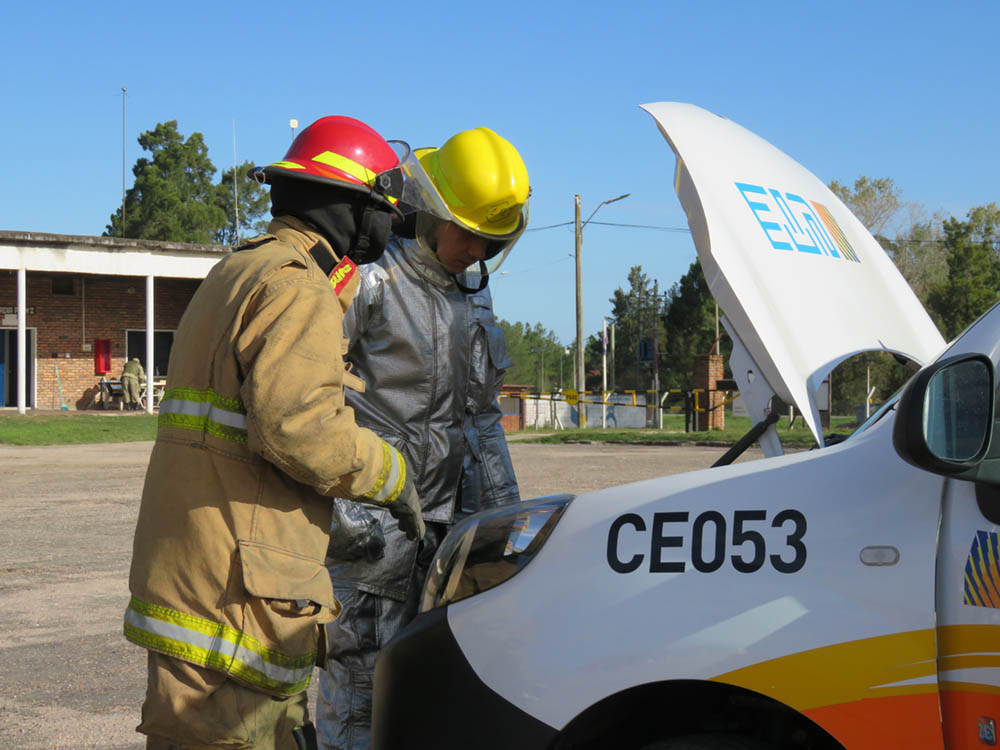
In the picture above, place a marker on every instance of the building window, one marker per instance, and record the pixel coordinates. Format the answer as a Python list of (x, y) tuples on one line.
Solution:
[(63, 285), (135, 346)]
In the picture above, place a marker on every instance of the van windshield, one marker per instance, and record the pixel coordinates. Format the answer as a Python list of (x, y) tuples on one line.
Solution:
[(888, 406)]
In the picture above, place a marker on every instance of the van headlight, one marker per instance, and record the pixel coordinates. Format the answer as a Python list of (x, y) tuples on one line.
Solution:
[(485, 549)]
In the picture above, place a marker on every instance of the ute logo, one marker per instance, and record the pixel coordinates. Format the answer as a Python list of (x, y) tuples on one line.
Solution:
[(987, 731), (982, 571), (791, 223)]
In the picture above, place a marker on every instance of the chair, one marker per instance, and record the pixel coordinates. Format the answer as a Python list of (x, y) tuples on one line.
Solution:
[(158, 385), (112, 389)]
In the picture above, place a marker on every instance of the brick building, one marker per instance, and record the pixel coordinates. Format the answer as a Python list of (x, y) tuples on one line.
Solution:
[(74, 309)]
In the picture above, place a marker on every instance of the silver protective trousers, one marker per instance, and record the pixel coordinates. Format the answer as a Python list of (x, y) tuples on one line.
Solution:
[(365, 625)]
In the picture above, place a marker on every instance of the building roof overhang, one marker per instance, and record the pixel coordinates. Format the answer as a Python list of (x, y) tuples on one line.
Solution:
[(107, 256)]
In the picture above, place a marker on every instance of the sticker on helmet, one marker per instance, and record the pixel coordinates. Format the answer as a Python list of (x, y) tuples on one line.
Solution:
[(498, 212)]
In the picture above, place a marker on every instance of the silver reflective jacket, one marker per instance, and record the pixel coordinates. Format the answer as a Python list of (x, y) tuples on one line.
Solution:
[(433, 360)]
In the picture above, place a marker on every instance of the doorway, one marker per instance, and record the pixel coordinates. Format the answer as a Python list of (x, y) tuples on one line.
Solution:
[(8, 367)]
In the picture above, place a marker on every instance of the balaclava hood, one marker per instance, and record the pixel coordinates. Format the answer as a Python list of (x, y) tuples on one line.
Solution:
[(356, 228)]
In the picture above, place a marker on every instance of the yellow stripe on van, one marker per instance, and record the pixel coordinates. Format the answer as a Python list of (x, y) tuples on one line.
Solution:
[(845, 672)]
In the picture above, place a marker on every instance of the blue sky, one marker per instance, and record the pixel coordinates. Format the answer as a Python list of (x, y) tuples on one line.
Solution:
[(902, 90)]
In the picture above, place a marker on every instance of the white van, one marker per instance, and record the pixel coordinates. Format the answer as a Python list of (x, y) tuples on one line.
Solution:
[(846, 597)]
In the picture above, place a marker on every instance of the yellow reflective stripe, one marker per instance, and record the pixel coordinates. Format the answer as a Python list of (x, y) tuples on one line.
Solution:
[(391, 478), (288, 165), (351, 167), (218, 646)]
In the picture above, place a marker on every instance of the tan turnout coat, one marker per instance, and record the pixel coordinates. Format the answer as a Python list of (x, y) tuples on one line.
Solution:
[(254, 438)]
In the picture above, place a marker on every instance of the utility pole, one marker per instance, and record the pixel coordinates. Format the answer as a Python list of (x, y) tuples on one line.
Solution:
[(613, 323), (604, 373), (581, 381), (123, 161), (579, 299), (236, 194)]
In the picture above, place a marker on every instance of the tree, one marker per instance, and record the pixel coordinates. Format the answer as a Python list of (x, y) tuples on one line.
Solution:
[(915, 247), (918, 252), (690, 324), (537, 355), (173, 197), (638, 316), (875, 202), (253, 204), (973, 281)]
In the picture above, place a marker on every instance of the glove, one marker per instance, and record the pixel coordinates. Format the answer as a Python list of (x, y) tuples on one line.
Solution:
[(406, 510), (356, 534)]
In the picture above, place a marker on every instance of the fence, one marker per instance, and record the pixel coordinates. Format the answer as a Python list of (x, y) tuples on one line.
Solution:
[(617, 411)]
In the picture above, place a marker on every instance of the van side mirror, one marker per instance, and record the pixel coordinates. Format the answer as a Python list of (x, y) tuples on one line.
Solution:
[(944, 422)]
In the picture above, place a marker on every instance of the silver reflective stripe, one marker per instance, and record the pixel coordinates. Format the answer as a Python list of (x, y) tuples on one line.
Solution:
[(202, 409), (215, 645)]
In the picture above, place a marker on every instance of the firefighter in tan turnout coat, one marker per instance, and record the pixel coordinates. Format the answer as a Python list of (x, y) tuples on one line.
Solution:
[(229, 589)]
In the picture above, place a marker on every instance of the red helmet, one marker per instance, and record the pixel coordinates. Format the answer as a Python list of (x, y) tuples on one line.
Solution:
[(346, 153)]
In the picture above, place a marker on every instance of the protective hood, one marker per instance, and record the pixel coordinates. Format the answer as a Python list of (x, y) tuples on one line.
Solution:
[(803, 285)]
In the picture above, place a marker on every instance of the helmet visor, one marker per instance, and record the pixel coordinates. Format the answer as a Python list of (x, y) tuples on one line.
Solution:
[(498, 248), (418, 192)]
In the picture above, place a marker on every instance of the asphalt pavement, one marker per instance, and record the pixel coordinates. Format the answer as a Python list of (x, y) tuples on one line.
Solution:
[(68, 678)]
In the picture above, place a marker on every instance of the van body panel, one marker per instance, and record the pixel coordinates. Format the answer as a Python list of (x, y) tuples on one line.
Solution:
[(833, 632)]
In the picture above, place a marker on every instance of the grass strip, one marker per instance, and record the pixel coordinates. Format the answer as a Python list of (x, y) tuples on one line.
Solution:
[(69, 428)]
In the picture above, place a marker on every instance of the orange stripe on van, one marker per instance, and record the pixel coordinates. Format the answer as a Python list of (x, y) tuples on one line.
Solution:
[(901, 722), (966, 708), (871, 693)]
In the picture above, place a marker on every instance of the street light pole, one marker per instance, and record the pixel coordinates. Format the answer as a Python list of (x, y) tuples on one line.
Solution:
[(580, 378), (123, 161), (578, 368)]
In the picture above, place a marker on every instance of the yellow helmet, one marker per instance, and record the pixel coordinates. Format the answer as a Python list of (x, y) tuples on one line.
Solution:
[(482, 180)]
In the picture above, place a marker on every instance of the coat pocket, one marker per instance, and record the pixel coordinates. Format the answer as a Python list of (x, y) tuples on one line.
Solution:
[(288, 598)]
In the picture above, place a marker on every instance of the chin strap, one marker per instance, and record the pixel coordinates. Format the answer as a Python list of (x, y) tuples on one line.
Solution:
[(482, 283), (373, 225), (363, 241)]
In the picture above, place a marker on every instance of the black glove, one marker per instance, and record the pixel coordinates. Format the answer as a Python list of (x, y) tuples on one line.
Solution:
[(356, 534), (406, 510)]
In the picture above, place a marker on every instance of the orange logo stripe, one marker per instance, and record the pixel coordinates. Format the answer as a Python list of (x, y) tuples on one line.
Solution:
[(342, 274)]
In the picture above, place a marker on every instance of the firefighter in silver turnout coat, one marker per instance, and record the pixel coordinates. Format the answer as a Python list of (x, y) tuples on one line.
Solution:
[(424, 339)]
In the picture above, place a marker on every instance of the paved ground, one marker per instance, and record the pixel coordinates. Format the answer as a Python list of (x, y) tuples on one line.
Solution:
[(68, 679)]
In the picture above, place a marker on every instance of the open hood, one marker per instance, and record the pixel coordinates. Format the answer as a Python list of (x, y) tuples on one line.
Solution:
[(801, 282)]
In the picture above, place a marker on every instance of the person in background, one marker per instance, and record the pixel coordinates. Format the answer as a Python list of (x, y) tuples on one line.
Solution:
[(133, 378), (229, 591), (424, 338)]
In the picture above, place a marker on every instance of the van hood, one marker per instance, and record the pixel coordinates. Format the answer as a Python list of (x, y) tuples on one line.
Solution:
[(801, 282)]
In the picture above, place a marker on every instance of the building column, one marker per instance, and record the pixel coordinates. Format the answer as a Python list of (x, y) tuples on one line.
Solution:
[(22, 335), (150, 333)]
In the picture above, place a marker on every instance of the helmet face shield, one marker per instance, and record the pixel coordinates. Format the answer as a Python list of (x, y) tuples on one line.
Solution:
[(419, 193), (498, 248)]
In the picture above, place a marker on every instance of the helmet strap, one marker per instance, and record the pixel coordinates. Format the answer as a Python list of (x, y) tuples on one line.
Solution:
[(373, 224), (482, 282)]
